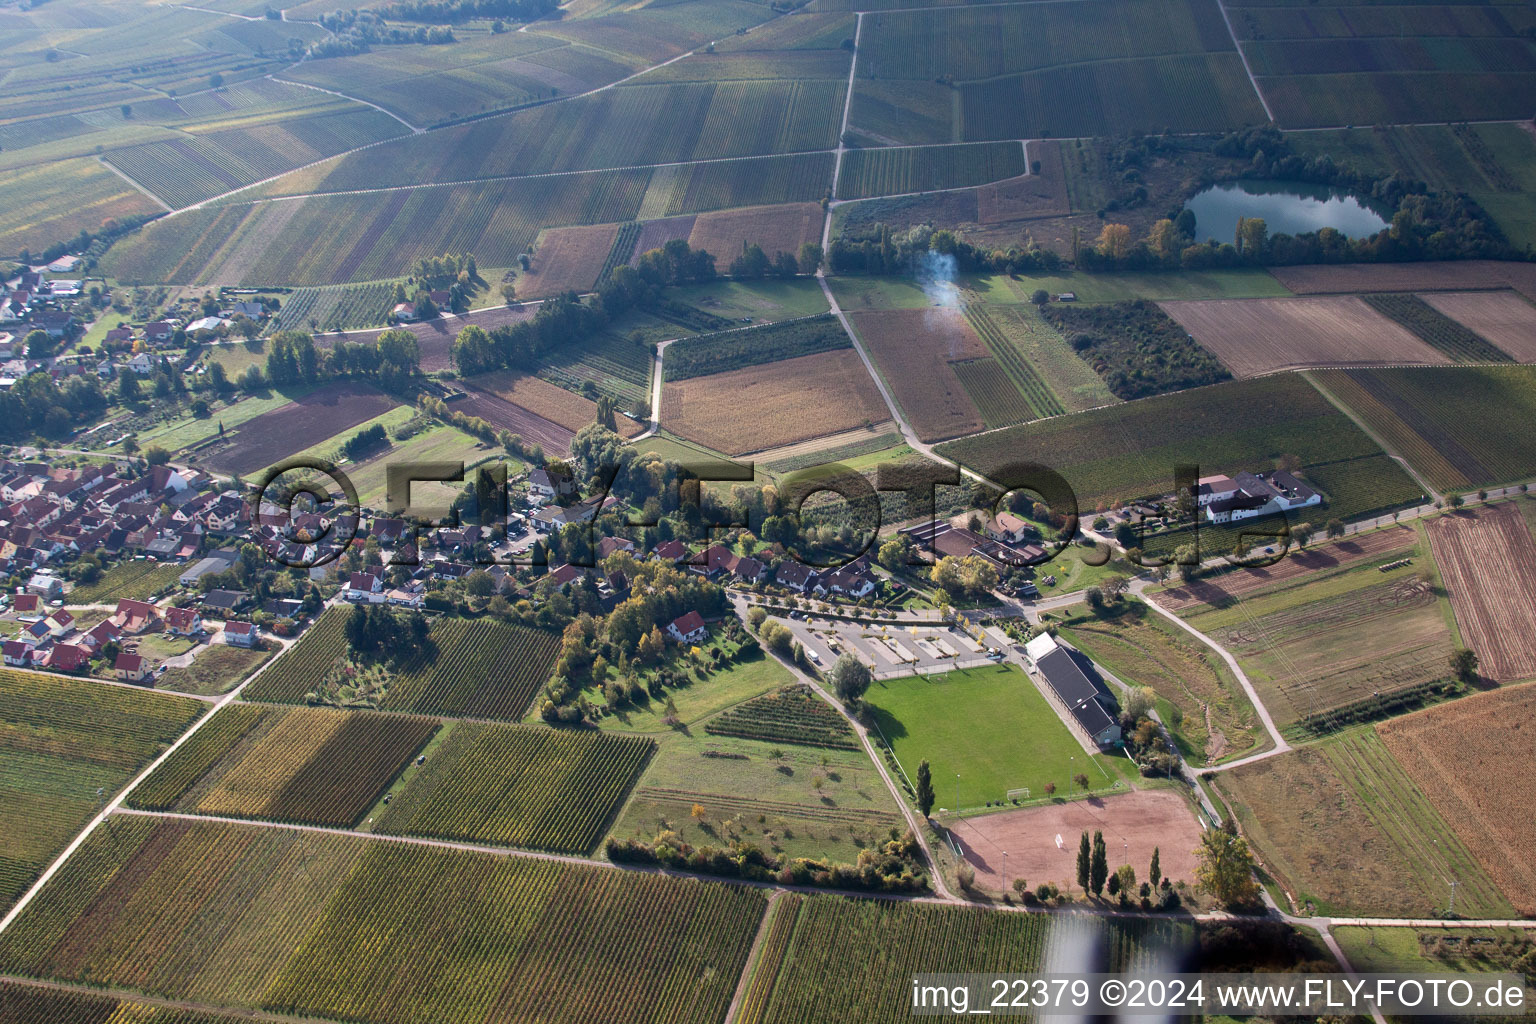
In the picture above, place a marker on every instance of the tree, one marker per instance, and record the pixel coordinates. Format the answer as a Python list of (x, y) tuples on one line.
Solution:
[(756, 615), (1084, 863), (1115, 241), (776, 637), (1050, 789), (1335, 528), (850, 677), (1302, 532), (1099, 868), (1226, 868), (1081, 780), (38, 344), (1155, 873), (924, 788), (1454, 500), (1040, 297), (1464, 664)]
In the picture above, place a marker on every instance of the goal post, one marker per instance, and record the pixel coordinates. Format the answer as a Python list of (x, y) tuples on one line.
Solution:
[(1018, 794)]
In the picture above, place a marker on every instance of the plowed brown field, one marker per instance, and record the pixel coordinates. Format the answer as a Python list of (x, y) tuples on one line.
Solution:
[(567, 259), (762, 407), (1473, 758), (1336, 279), (913, 348), (533, 407), (1504, 318), (1254, 336), (1488, 562), (775, 228), (1133, 825)]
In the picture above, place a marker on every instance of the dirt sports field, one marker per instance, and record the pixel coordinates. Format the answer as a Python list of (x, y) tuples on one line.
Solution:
[(1337, 279), (1254, 336), (1473, 758), (913, 349), (567, 259), (1503, 317), (776, 228), (1133, 825), (1488, 562), (435, 337), (762, 407), (1220, 590), (273, 436)]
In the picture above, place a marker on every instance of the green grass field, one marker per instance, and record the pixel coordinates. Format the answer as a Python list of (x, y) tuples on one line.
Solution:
[(761, 300), (213, 670), (990, 726), (736, 682)]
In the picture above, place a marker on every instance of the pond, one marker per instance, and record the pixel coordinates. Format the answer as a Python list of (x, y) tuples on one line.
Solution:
[(1285, 207)]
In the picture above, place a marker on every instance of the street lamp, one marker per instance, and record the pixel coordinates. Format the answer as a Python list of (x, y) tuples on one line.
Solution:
[(957, 792)]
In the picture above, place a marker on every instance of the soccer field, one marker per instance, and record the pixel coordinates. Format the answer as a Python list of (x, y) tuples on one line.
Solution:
[(990, 726)]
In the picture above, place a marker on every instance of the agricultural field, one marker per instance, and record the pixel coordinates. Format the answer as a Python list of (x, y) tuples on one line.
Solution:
[(1103, 69), (432, 444), (726, 184), (273, 436), (817, 981), (853, 447), (974, 723), (1208, 714), (628, 126), (789, 799), (767, 301), (515, 785), (66, 749), (53, 202), (22, 1003), (134, 579), (1503, 318), (706, 354), (435, 337), (1342, 829), (1470, 759), (1330, 639), (1128, 451), (617, 365), (354, 928), (1460, 426), (567, 259), (1257, 336), (916, 352), (296, 671), (1391, 64), (428, 85), (504, 399), (775, 229), (1052, 378), (894, 171), (753, 409), (1134, 825), (335, 308), (1425, 317), (305, 766), (194, 168), (340, 238), (1466, 275), (1487, 559), (793, 714)]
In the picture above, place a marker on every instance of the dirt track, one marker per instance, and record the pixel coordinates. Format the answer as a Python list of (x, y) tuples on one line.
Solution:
[(1133, 824)]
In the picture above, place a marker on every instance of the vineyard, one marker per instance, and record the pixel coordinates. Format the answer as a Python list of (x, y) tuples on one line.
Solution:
[(194, 758), (482, 669), (66, 747), (295, 672), (518, 785), (474, 668), (136, 580), (195, 168), (34, 1004), (1435, 328), (336, 308), (1039, 399), (734, 350), (916, 351), (785, 911), (381, 932), (898, 170), (617, 365), (312, 766), (1460, 426), (819, 981), (791, 715), (1127, 451), (333, 239), (729, 183), (998, 401), (1503, 317), (623, 249)]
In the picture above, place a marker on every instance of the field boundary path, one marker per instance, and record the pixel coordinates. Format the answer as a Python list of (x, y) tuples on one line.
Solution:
[(1237, 44), (1381, 442), (749, 969), (130, 996)]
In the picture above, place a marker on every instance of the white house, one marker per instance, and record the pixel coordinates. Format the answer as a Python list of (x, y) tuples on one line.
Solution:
[(687, 629)]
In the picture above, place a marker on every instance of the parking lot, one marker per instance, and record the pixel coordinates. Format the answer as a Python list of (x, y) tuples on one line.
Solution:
[(889, 651)]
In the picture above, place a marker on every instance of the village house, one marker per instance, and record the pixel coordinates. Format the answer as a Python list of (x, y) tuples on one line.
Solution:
[(238, 633), (183, 621), (135, 617), (688, 628), (131, 668)]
